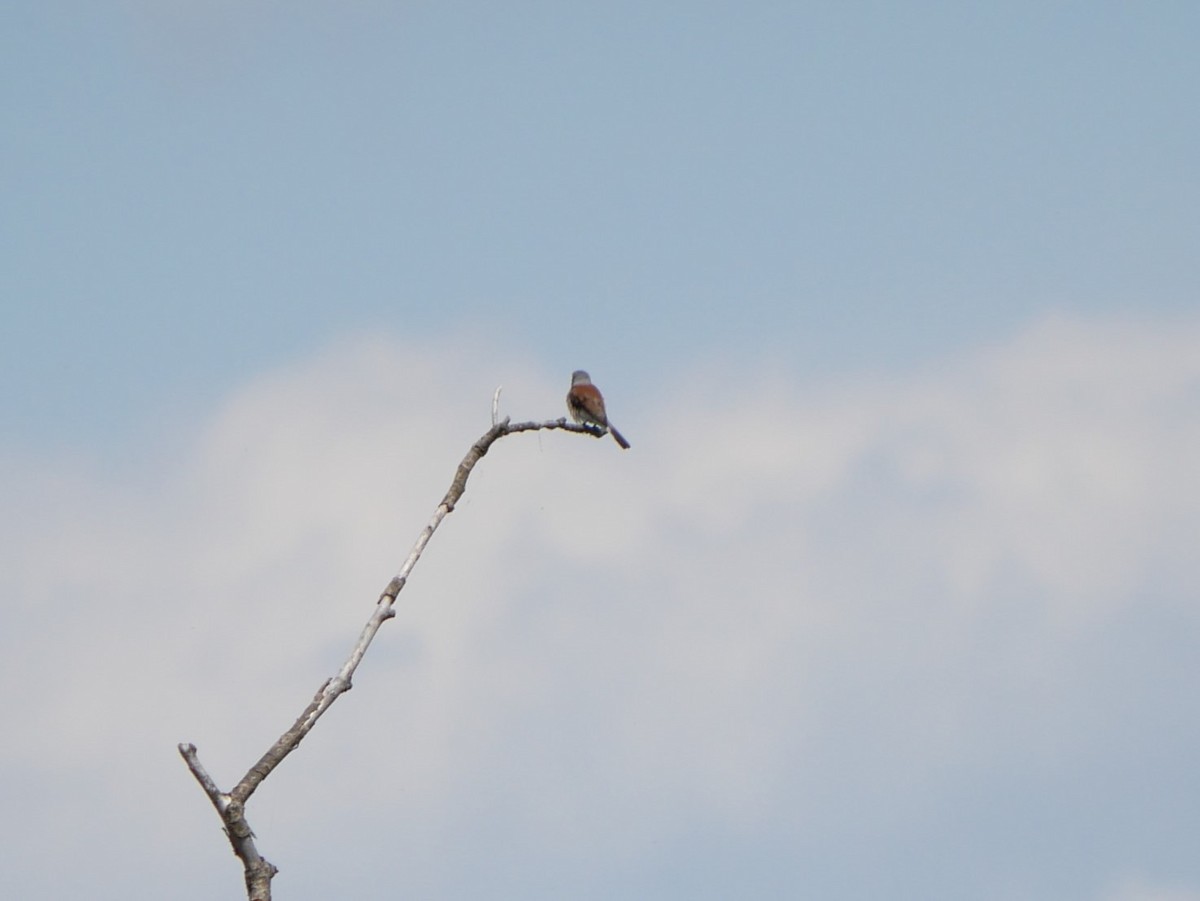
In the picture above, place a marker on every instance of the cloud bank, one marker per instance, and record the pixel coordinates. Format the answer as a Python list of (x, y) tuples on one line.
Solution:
[(929, 634)]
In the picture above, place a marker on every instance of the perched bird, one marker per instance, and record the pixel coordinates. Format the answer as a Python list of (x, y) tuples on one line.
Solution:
[(586, 405)]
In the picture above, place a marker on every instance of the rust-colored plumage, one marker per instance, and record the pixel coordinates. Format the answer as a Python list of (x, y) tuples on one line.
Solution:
[(586, 405)]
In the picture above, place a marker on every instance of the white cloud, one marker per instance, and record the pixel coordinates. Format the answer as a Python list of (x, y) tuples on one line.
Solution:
[(788, 610), (1140, 890)]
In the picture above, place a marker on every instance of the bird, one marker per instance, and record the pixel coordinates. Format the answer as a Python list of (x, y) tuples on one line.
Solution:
[(586, 405)]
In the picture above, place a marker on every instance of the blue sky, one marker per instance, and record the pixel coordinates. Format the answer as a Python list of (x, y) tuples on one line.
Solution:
[(895, 594), (194, 191)]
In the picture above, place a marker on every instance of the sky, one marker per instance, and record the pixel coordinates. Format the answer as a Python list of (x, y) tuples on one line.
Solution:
[(895, 593)]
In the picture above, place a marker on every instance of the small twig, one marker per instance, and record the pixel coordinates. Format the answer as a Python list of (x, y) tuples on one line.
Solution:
[(496, 404), (231, 807)]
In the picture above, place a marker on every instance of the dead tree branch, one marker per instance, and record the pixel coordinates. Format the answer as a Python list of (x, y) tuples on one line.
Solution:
[(231, 806)]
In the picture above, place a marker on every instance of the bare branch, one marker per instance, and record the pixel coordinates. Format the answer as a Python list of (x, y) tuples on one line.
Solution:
[(258, 870), (231, 807)]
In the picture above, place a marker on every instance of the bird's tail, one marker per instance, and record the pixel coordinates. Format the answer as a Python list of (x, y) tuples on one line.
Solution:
[(619, 438)]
